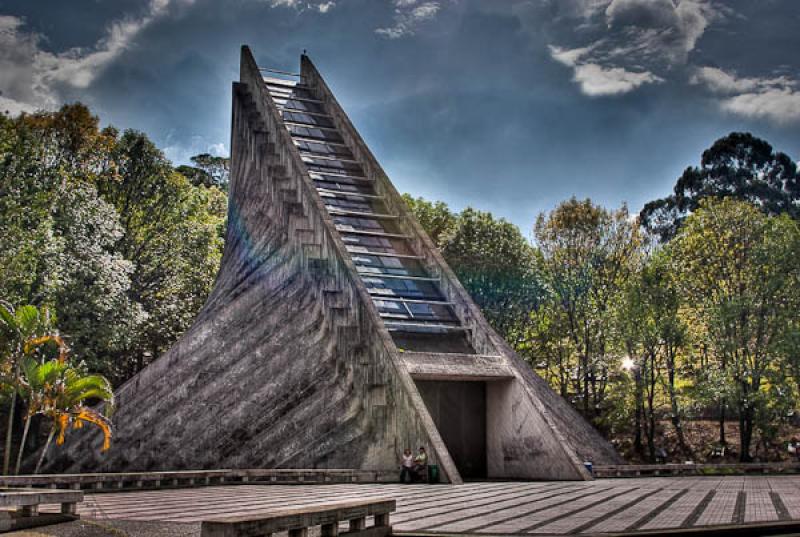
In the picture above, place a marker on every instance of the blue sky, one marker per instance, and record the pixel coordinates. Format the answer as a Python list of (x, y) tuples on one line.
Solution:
[(506, 105)]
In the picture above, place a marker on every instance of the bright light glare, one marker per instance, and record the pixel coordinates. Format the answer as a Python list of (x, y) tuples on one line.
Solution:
[(628, 363)]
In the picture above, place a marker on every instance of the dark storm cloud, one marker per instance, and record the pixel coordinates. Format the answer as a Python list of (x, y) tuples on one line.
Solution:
[(507, 106)]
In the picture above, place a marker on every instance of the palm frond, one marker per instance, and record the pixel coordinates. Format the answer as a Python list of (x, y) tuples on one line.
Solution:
[(62, 422), (7, 318), (92, 416), (27, 318), (51, 338)]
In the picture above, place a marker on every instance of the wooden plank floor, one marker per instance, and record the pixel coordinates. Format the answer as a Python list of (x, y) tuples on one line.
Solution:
[(604, 505)]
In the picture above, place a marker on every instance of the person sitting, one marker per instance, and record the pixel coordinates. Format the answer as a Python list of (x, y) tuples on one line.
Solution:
[(407, 466), (794, 449), (421, 465)]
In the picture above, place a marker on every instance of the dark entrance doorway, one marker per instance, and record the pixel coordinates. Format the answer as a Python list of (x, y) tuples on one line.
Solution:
[(459, 411)]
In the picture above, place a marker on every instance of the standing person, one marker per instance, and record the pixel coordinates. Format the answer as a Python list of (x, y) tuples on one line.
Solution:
[(407, 466), (421, 464)]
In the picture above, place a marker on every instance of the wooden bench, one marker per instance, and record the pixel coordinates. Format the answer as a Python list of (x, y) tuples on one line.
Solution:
[(298, 521), (26, 504)]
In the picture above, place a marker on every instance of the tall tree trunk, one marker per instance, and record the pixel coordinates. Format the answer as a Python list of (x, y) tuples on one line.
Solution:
[(637, 439), (585, 364), (22, 444), (651, 414), (722, 410), (10, 431), (44, 450), (674, 411), (745, 433)]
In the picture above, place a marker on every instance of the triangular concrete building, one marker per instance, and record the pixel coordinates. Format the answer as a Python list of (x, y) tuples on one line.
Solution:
[(336, 335)]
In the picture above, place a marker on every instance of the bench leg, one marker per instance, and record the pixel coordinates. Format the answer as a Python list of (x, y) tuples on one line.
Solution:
[(298, 532), (382, 519), (28, 510), (329, 530), (69, 508), (358, 524)]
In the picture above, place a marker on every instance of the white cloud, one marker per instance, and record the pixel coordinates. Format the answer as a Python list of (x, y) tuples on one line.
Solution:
[(596, 80), (408, 14), (659, 29), (32, 78), (283, 3), (569, 57), (636, 42), (300, 5), (181, 152), (775, 99), (781, 105)]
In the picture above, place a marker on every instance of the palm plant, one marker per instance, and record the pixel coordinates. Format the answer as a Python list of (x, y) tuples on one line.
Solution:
[(64, 403), (37, 383), (22, 332)]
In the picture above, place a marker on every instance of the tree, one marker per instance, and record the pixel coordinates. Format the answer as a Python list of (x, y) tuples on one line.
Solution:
[(58, 237), (436, 218), (99, 228), (35, 383), (738, 166), (495, 263), (653, 335), (23, 329), (586, 256), (737, 269), (491, 258), (173, 236), (208, 171), (64, 396)]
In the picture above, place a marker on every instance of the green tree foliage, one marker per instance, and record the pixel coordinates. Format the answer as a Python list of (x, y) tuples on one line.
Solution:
[(491, 258), (100, 228), (64, 390), (207, 171), (737, 269), (586, 254), (172, 234), (653, 334), (738, 166), (22, 330), (435, 217)]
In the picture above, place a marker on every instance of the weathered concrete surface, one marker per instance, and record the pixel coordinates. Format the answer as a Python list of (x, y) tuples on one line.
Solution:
[(444, 366), (289, 365)]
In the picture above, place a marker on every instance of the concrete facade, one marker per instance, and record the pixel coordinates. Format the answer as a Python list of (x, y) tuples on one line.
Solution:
[(292, 363)]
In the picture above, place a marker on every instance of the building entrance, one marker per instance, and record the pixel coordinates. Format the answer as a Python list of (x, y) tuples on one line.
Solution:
[(458, 409)]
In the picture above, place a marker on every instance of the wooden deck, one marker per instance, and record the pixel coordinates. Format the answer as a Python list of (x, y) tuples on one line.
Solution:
[(604, 505)]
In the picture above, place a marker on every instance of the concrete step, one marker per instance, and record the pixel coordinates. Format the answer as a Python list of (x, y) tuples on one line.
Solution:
[(305, 235), (312, 251), (335, 299)]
